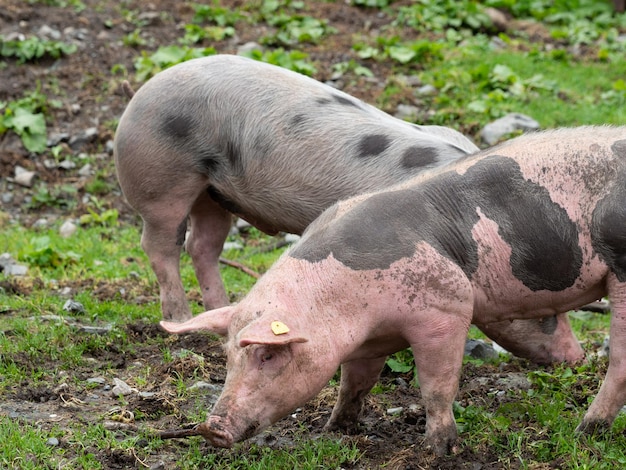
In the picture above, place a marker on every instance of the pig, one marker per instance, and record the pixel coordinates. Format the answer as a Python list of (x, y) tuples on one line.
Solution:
[(527, 229), (226, 135)]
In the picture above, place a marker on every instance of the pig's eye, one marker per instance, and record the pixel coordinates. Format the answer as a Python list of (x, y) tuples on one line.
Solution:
[(267, 356)]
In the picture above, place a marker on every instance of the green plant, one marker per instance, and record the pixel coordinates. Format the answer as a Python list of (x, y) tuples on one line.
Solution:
[(43, 253), (293, 60), (150, 64), (34, 48), (429, 15)]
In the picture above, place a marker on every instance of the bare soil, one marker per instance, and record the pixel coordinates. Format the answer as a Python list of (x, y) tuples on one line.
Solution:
[(90, 96)]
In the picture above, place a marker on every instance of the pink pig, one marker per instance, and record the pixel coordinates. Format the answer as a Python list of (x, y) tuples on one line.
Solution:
[(527, 229)]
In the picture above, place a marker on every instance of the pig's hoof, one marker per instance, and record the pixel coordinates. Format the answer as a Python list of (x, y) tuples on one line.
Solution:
[(350, 428), (593, 427), (442, 444), (215, 435)]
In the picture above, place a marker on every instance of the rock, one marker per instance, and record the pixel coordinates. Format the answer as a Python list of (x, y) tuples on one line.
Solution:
[(85, 170), (426, 90), (499, 19), (478, 349), (395, 411), (73, 306), (201, 385), (95, 330), (242, 225), (291, 238), (493, 132), (46, 32), (10, 267), (24, 177), (232, 246), (96, 380), (604, 349), (83, 138), (67, 165), (7, 198), (56, 138), (121, 388), (109, 146), (160, 465), (52, 442), (150, 18), (249, 47), (407, 112), (68, 229)]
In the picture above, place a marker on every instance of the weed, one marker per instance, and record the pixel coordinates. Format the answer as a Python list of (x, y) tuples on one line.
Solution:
[(293, 59), (34, 48), (150, 64)]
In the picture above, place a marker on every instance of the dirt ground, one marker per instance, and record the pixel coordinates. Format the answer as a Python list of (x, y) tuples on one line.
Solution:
[(90, 96)]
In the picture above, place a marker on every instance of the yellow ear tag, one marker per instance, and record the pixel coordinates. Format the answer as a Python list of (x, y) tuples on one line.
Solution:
[(279, 328)]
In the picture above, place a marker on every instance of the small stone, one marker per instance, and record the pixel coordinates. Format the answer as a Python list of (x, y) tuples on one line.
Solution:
[(426, 90), (109, 146), (15, 270), (56, 138), (95, 330), (67, 165), (291, 238), (83, 138), (46, 32), (96, 380), (395, 411), (407, 112), (68, 229), (24, 177), (232, 246), (73, 306), (478, 349), (121, 388), (160, 465), (40, 224), (493, 132), (147, 395), (52, 442), (248, 48), (201, 385), (85, 170), (242, 225)]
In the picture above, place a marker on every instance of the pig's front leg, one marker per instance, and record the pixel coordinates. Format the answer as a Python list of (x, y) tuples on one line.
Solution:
[(438, 346), (357, 379), (210, 225), (162, 240), (612, 394), (542, 340)]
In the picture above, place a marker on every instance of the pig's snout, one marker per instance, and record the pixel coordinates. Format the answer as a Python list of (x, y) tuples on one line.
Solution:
[(214, 432)]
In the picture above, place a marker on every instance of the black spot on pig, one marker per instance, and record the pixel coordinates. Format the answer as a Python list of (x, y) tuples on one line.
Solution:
[(372, 145), (416, 156), (233, 154), (345, 101), (619, 148), (442, 212), (548, 325), (177, 127), (323, 101), (608, 224), (297, 120), (181, 231), (224, 202)]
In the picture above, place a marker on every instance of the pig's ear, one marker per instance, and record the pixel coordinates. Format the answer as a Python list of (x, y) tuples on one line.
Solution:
[(271, 332), (216, 321)]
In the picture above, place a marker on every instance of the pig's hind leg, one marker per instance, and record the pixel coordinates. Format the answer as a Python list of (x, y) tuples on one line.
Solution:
[(210, 225), (357, 379), (612, 395)]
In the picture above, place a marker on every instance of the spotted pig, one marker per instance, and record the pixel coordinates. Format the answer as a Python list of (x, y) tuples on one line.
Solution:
[(527, 229), (227, 135)]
